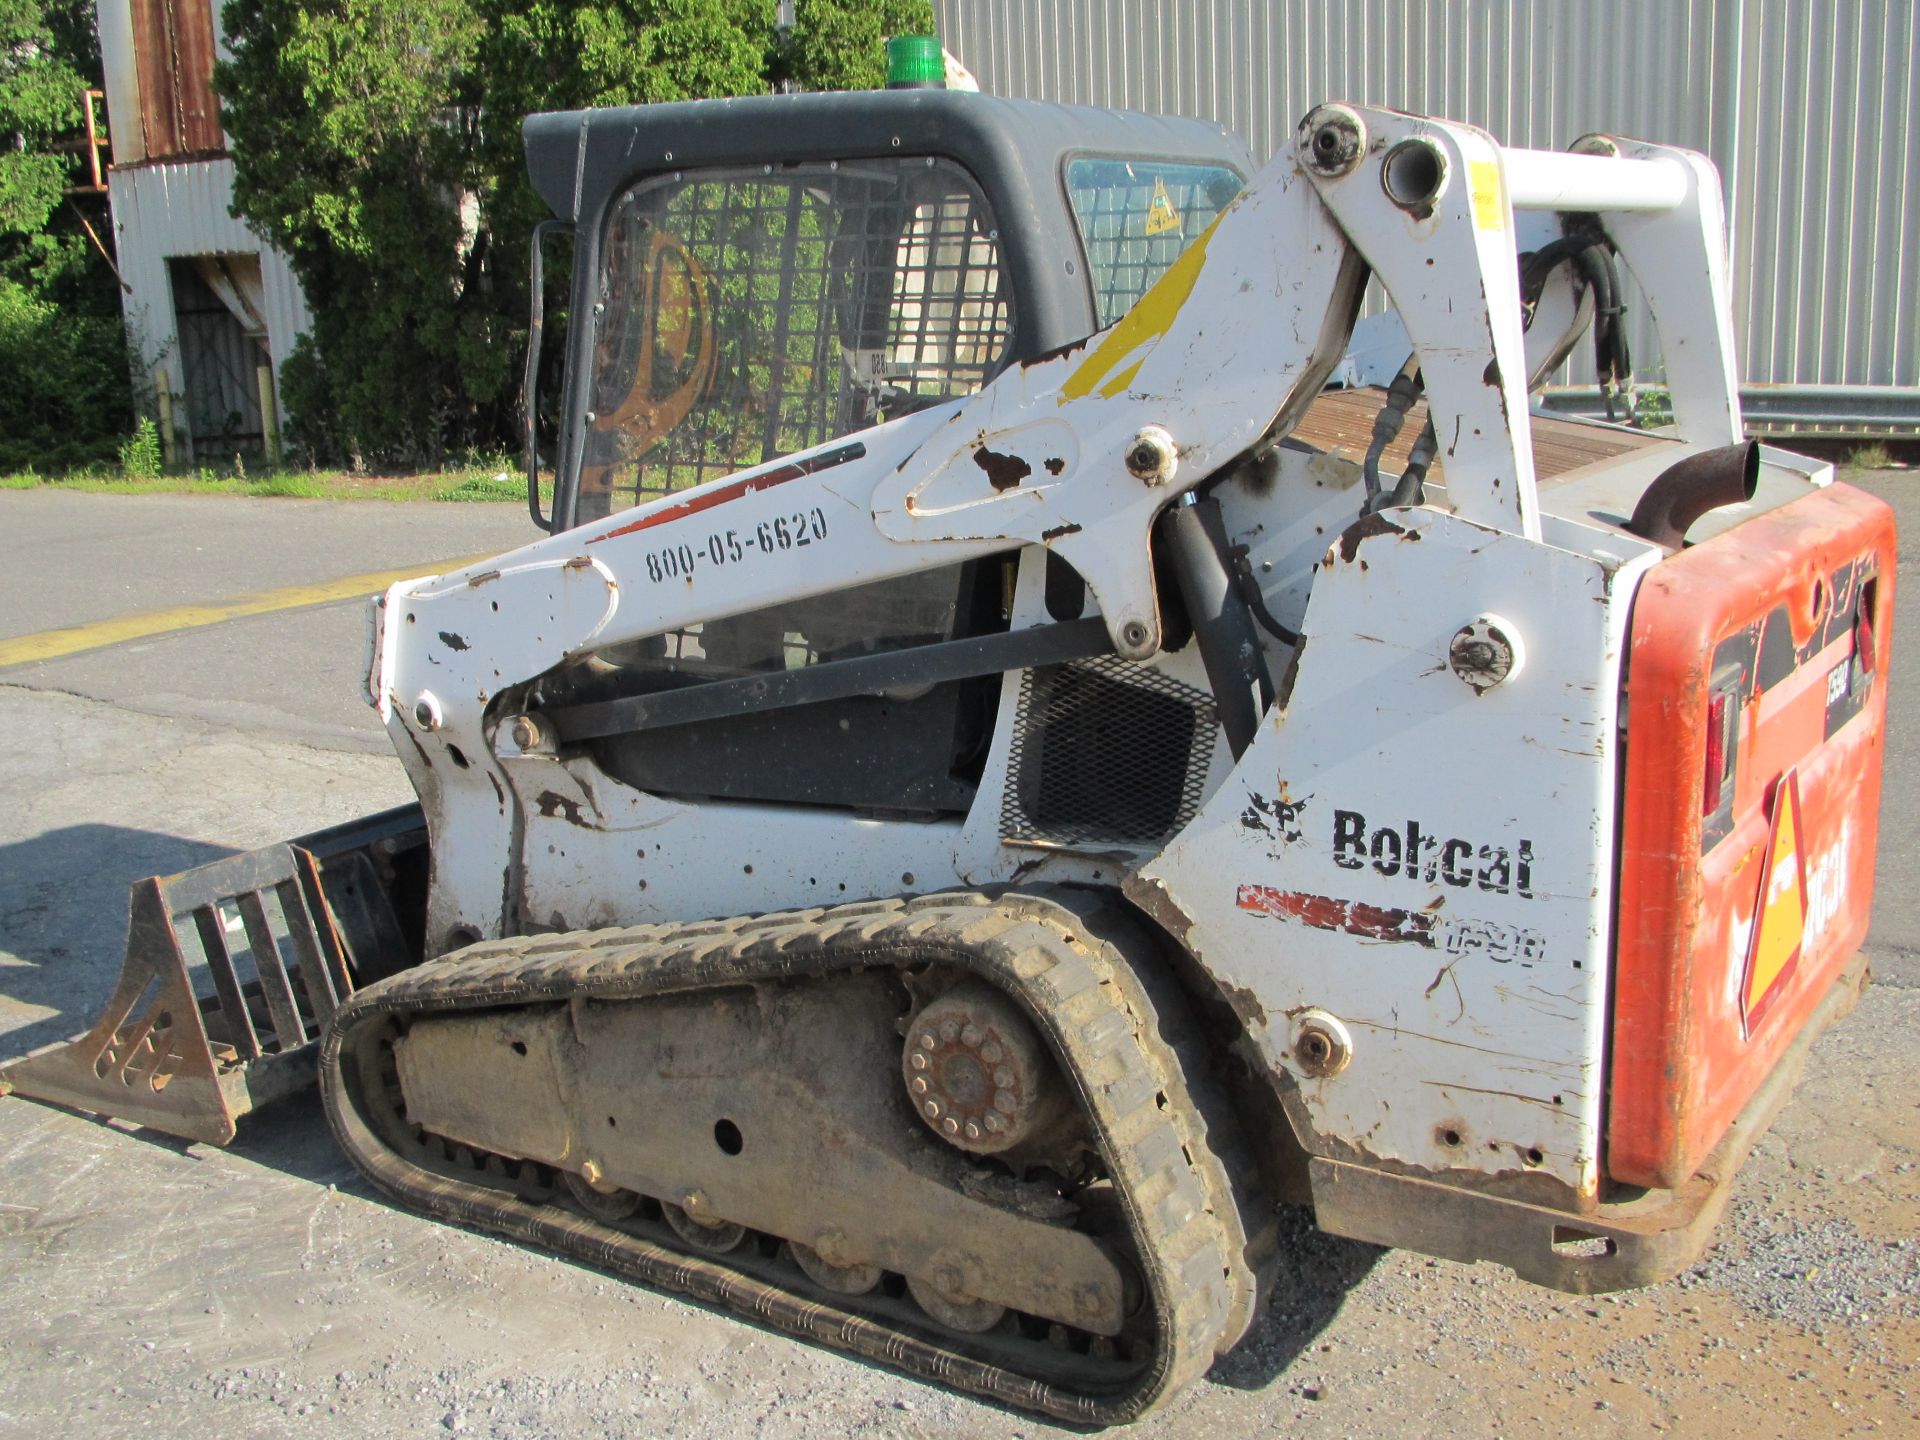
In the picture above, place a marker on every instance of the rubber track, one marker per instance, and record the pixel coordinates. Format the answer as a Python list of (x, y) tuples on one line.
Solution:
[(1030, 946)]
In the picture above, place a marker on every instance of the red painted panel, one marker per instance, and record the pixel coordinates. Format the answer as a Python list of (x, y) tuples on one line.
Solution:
[(1768, 609)]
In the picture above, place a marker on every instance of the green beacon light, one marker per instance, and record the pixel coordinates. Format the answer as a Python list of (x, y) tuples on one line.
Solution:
[(915, 62)]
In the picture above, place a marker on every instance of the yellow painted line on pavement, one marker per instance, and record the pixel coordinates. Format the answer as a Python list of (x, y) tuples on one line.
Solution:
[(71, 640)]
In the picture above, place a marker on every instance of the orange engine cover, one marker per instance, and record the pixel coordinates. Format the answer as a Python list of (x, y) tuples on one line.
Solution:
[(1759, 656)]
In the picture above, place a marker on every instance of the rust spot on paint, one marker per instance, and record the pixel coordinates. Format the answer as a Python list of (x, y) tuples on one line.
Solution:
[(1055, 353), (453, 641), (553, 804), (1245, 1004), (1003, 471), (1365, 528), (1284, 692), (1049, 536), (1055, 465)]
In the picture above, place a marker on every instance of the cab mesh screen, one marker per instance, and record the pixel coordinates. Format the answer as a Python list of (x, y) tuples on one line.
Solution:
[(1105, 752), (745, 315)]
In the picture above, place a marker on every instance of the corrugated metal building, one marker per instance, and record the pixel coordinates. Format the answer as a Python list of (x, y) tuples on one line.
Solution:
[(1810, 109), (208, 300)]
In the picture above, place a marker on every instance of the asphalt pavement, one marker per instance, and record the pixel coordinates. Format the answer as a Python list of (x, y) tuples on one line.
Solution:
[(265, 1290)]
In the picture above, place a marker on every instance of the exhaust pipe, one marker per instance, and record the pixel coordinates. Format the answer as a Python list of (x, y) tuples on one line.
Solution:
[(1683, 492)]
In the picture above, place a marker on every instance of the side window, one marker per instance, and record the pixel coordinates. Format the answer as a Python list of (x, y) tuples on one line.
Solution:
[(1136, 216), (744, 315)]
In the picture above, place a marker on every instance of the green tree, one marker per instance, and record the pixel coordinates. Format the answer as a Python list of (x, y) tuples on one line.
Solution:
[(64, 384), (377, 142)]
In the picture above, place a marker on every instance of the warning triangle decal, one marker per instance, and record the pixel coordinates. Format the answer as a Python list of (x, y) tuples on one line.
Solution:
[(1782, 916), (1161, 216)]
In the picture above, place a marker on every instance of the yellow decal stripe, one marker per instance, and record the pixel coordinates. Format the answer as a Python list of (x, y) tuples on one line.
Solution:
[(72, 639), (1119, 383), (1141, 326)]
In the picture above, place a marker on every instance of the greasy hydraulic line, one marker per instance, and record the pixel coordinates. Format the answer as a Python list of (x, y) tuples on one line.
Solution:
[(1186, 1230)]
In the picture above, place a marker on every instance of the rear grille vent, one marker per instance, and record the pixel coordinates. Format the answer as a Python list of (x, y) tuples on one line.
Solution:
[(1105, 752)]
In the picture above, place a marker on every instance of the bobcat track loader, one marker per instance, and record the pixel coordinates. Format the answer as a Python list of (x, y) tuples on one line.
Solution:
[(958, 820)]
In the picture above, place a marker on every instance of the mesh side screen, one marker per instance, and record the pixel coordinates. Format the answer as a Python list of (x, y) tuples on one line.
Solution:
[(1135, 219), (1105, 752), (745, 315)]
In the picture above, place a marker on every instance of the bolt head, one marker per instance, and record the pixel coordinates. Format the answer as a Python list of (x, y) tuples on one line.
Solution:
[(919, 1086), (917, 1060), (970, 1037), (1485, 653), (1322, 1047), (1152, 456), (1004, 1101), (525, 732), (931, 1109), (1332, 139), (590, 1172)]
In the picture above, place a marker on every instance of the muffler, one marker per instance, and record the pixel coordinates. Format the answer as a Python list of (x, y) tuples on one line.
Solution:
[(1685, 491)]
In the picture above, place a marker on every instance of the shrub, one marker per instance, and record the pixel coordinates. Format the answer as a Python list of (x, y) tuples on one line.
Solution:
[(65, 401), (140, 452)]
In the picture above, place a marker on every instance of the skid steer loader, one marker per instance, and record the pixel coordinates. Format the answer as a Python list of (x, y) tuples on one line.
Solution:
[(960, 820)]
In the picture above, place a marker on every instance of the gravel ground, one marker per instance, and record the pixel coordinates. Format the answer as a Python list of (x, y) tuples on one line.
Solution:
[(263, 1290)]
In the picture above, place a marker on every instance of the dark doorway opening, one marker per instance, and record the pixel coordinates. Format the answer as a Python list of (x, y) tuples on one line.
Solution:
[(222, 346)]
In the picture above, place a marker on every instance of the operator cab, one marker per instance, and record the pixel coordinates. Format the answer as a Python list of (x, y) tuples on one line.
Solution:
[(759, 276)]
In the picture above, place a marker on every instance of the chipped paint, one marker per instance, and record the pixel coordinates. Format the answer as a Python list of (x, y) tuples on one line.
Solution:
[(1003, 471), (553, 804), (1324, 912)]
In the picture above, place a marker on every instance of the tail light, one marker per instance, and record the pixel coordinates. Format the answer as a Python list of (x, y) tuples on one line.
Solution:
[(1716, 753), (1863, 627), (1723, 715)]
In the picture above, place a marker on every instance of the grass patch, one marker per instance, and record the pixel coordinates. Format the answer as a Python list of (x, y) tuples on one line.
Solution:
[(485, 486), (485, 481)]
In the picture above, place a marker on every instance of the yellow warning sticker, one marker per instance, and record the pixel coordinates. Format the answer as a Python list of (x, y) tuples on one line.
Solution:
[(1489, 204), (1161, 216), (1782, 917)]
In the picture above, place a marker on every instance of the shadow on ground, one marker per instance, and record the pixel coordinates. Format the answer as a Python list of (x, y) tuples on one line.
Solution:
[(1317, 1271), (63, 915)]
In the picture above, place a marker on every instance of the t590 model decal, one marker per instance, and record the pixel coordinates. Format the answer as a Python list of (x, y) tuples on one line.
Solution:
[(1457, 935)]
